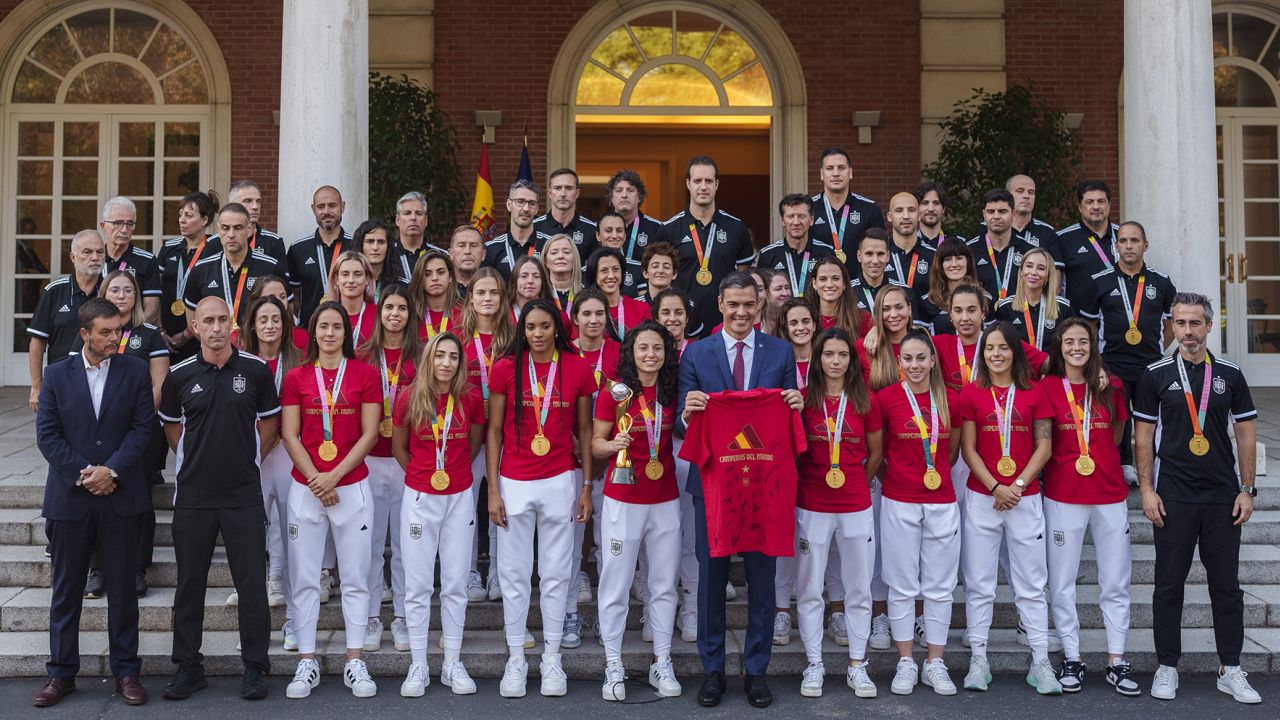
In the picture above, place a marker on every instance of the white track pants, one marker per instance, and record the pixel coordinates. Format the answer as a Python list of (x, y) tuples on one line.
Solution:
[(434, 526), (478, 472), (579, 539), (919, 556), (1022, 530), (688, 539), (819, 536), (386, 488), (547, 506), (276, 469), (310, 523), (1109, 526), (879, 590), (624, 528)]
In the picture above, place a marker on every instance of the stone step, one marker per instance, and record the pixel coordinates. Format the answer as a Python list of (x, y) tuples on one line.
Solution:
[(27, 609), (484, 652)]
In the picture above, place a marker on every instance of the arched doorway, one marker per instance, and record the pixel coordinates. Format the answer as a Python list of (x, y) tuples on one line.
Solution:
[(1246, 73), (99, 99), (649, 87)]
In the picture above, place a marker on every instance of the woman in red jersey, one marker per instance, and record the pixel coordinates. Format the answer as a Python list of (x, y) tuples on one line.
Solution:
[(434, 288), (604, 272), (671, 310), (349, 285), (891, 319), (829, 291), (799, 324), (956, 352)]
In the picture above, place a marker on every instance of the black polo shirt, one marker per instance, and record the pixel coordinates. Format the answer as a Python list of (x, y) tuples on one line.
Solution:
[(55, 321), (866, 293), (175, 258), (638, 238), (307, 266), (1043, 328), (902, 261), (502, 252), (1182, 475), (1039, 233), (579, 229), (1081, 261), (265, 241), (405, 259), (144, 343), (933, 317), (1008, 263), (729, 245), (216, 276), (219, 408), (139, 263), (1108, 308), (781, 257), (863, 213)]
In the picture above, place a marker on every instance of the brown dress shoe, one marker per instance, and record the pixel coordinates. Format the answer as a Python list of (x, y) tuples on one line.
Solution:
[(131, 691), (53, 692)]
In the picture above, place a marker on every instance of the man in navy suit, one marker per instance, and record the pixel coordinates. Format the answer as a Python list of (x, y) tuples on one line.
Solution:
[(739, 357), (92, 426)]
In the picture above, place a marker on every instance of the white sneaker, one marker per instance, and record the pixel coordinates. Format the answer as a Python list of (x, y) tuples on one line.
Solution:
[(399, 634), (289, 636), (455, 677), (529, 642), (646, 628), (554, 682), (233, 600), (326, 586), (572, 637), (1055, 642), (782, 628), (514, 677), (584, 587), (838, 628), (811, 684), (306, 677), (689, 627), (979, 675), (1234, 682), (730, 592), (880, 637), (662, 677), (934, 674), (495, 590), (614, 688), (373, 635), (919, 633), (1042, 677), (415, 681), (905, 677), (1165, 684), (859, 680), (275, 592), (356, 676), (475, 588), (640, 589), (1130, 474)]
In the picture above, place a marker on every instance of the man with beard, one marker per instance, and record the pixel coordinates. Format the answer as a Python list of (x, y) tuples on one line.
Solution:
[(1089, 246), (996, 250), (247, 193), (521, 237), (53, 327), (309, 258), (624, 194), (933, 201), (563, 216)]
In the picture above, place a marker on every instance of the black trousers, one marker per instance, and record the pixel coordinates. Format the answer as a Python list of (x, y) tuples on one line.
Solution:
[(244, 534), (1126, 443), (1210, 526), (71, 544), (153, 466), (713, 573)]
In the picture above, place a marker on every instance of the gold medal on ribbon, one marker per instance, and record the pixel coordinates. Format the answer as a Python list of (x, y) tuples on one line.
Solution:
[(653, 469), (1133, 336), (328, 451), (841, 256), (1084, 465), (1199, 445), (835, 478), (932, 479), (178, 308), (439, 480), (1007, 467), (384, 427), (703, 277), (540, 445)]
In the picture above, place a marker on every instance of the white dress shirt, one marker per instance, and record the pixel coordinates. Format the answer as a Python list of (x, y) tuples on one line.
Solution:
[(748, 354), (97, 377)]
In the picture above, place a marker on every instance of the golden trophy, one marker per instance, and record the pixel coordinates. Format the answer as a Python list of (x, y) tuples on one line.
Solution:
[(623, 473)]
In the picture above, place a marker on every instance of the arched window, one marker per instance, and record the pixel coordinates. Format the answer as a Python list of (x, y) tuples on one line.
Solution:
[(1246, 62)]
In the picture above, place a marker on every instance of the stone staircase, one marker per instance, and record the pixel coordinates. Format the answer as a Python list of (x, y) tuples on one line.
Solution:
[(25, 578)]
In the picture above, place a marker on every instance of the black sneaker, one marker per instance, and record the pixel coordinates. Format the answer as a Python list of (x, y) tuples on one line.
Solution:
[(254, 685), (96, 585), (140, 584), (1120, 676), (1071, 676), (188, 680)]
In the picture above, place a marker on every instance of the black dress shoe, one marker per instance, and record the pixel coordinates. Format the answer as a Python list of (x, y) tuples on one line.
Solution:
[(140, 584), (711, 690), (186, 681), (254, 685), (758, 691), (96, 585), (55, 688)]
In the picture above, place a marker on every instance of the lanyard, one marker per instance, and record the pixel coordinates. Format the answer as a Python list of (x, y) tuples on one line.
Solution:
[(797, 289), (327, 408), (1036, 336), (511, 260), (355, 326), (1004, 418), (835, 428), (391, 384), (909, 278), (622, 320), (226, 288), (635, 233), (704, 259), (837, 236), (1106, 261), (183, 274), (599, 372), (1083, 418), (279, 371), (929, 437), (432, 330), (871, 296), (541, 397), (1197, 415), (321, 265), (800, 374), (1132, 309), (124, 340), (652, 424), (967, 373), (440, 431), (1001, 279), (484, 363)]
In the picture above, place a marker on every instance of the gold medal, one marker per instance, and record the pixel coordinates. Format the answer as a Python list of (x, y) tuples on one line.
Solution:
[(439, 480), (328, 451), (653, 469), (540, 445), (840, 254), (703, 277), (178, 308), (1133, 336), (932, 479), (835, 478), (1199, 445), (384, 427), (1007, 467), (1084, 465)]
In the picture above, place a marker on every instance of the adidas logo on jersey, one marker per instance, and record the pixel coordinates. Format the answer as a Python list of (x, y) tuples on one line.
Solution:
[(1081, 250), (1175, 387), (196, 388), (212, 284), (310, 261), (64, 308)]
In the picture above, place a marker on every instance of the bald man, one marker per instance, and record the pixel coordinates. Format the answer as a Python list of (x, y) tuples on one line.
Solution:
[(1027, 228), (909, 259), (221, 406), (309, 258)]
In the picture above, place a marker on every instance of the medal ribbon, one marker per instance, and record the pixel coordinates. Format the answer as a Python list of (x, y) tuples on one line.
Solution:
[(834, 428), (1131, 310), (184, 274), (1004, 418), (599, 371), (279, 372), (796, 289), (432, 330), (327, 408), (704, 259), (234, 304), (355, 327), (1083, 418), (907, 279), (1197, 416), (635, 233), (390, 384), (1106, 261), (541, 397), (967, 373), (622, 323), (485, 361), (837, 236), (1001, 279), (799, 375), (124, 340), (1036, 336), (652, 425), (929, 437), (440, 431)]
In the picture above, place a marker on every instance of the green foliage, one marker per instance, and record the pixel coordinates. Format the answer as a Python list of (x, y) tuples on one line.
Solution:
[(992, 136), (412, 146)]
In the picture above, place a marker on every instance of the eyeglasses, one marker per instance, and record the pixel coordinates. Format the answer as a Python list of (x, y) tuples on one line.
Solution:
[(519, 202), (117, 224)]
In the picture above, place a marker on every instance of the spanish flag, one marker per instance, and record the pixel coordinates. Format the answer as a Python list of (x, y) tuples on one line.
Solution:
[(747, 439), (482, 206)]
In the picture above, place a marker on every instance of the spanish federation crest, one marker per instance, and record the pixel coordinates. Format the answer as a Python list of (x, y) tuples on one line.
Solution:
[(1219, 385), (577, 237), (1150, 293), (415, 531), (722, 236), (855, 217), (615, 547), (628, 280), (135, 342), (922, 267), (642, 239), (237, 383), (804, 546), (293, 531), (1058, 538), (1050, 323)]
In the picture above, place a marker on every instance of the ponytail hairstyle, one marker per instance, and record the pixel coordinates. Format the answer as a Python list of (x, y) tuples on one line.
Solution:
[(855, 386), (1020, 369), (1093, 367), (847, 316), (884, 364), (422, 406), (350, 256), (289, 353), (937, 388)]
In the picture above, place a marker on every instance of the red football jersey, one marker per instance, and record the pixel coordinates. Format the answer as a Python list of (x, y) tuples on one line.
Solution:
[(457, 449), (475, 357), (977, 405), (956, 375), (646, 491), (360, 385), (628, 313), (855, 494), (573, 380), (1061, 481), (382, 448), (603, 361), (904, 469), (362, 324)]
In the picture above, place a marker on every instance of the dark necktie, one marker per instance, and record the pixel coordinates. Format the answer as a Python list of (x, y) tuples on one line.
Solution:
[(739, 366)]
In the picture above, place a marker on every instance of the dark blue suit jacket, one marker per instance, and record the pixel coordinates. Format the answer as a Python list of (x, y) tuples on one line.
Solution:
[(71, 438), (705, 366)]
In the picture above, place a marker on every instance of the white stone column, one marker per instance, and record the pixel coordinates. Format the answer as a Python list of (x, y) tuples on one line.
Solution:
[(1170, 173), (324, 110)]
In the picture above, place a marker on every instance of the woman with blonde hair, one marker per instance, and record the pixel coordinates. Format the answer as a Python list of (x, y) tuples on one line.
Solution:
[(891, 321), (1036, 309), (564, 269), (351, 285)]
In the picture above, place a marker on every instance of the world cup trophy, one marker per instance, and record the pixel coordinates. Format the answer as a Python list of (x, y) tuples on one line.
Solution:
[(623, 473)]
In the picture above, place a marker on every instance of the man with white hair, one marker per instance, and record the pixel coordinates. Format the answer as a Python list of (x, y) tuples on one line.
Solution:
[(411, 228), (119, 218), (53, 327)]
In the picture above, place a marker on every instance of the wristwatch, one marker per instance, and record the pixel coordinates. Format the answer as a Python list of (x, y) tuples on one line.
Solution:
[(1022, 484), (114, 475), (1251, 490)]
